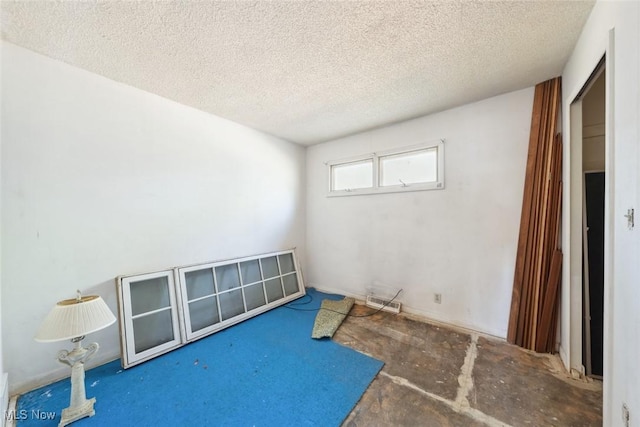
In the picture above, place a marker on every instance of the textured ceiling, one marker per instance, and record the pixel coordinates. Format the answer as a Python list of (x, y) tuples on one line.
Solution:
[(307, 71)]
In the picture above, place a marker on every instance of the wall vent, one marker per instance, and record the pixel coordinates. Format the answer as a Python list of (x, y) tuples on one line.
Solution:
[(383, 304)]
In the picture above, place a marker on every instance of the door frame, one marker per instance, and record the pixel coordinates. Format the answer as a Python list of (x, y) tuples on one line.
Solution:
[(571, 300)]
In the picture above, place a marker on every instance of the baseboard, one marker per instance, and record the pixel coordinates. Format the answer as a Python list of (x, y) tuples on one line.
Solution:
[(4, 398), (60, 373), (360, 299), (564, 357), (438, 319), (11, 414), (422, 315)]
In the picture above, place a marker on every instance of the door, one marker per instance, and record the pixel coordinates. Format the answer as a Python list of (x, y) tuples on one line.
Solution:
[(594, 266)]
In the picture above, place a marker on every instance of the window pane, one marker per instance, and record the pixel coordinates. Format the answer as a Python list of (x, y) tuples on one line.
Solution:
[(148, 295), (290, 283), (270, 267), (274, 289), (199, 283), (254, 296), (227, 277), (286, 263), (250, 271), (203, 313), (409, 168), (152, 330), (351, 176), (231, 304)]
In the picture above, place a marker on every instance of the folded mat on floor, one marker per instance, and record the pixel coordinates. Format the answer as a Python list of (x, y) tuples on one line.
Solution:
[(330, 317)]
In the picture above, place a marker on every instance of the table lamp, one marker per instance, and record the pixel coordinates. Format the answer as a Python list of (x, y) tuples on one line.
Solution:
[(72, 319)]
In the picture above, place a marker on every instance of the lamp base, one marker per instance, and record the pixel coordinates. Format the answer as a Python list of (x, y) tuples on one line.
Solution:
[(70, 414), (79, 406)]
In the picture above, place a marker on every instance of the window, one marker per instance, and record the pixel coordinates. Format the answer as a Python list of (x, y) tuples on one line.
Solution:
[(221, 294), (149, 316), (414, 168), (163, 311), (352, 175)]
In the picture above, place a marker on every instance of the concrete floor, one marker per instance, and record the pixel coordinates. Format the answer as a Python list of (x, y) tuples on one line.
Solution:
[(438, 376)]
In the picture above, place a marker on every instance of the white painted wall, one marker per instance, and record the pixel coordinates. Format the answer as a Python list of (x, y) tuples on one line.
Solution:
[(101, 179), (460, 242), (622, 270)]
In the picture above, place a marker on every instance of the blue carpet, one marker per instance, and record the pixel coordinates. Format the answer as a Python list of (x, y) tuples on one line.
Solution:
[(266, 371)]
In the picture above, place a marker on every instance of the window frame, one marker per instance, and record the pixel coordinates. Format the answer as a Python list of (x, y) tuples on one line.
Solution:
[(222, 323), (128, 351), (288, 274), (353, 161), (376, 158)]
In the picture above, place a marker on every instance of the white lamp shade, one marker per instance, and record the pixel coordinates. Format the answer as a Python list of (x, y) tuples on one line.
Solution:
[(73, 318)]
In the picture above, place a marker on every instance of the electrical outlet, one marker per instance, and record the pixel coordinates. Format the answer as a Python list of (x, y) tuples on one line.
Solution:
[(437, 298), (625, 415)]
